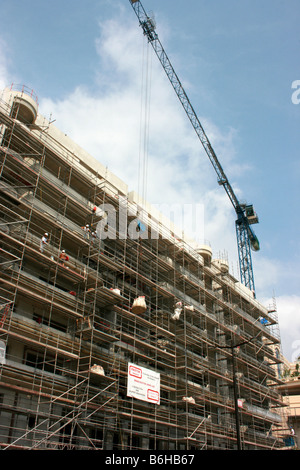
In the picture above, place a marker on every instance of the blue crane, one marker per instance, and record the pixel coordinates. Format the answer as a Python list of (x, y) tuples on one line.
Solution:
[(246, 216)]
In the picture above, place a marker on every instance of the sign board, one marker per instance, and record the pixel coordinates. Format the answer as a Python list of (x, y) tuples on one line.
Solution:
[(143, 384)]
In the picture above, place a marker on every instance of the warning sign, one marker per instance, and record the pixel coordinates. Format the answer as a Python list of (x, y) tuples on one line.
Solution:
[(143, 384)]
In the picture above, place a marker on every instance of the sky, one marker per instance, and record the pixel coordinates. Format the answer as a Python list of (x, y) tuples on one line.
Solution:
[(96, 76)]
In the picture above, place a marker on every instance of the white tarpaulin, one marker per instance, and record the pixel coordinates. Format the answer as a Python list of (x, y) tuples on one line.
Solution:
[(143, 384), (2, 352)]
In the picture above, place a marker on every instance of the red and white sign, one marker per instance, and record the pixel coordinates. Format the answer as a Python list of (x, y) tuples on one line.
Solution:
[(135, 371), (143, 384)]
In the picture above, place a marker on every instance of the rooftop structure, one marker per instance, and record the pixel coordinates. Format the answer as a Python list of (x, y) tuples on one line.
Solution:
[(115, 332)]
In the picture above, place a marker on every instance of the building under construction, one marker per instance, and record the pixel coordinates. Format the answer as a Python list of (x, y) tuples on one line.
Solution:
[(110, 340)]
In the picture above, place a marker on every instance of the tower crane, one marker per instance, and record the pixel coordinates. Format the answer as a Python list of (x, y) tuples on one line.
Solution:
[(246, 216)]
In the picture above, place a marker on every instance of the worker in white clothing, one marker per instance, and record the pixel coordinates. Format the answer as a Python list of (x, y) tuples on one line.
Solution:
[(43, 242), (87, 231)]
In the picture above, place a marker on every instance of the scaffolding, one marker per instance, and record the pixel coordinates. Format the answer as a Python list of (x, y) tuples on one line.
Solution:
[(68, 331)]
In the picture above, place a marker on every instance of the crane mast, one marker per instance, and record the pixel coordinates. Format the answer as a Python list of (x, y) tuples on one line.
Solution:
[(246, 239)]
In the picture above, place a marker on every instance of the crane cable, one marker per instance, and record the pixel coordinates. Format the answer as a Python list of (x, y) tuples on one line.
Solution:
[(144, 120), (144, 136)]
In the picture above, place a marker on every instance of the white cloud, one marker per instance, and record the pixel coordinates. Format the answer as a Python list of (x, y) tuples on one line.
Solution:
[(271, 272), (5, 78), (288, 308), (270, 275), (267, 272), (106, 123)]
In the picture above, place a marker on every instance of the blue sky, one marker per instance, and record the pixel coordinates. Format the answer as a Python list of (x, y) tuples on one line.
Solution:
[(237, 61)]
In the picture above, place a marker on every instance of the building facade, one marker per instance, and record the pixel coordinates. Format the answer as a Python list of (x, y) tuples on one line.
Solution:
[(290, 391), (115, 332)]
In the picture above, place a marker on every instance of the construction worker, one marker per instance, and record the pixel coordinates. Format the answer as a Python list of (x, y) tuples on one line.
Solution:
[(43, 242), (86, 230), (93, 236), (63, 257)]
